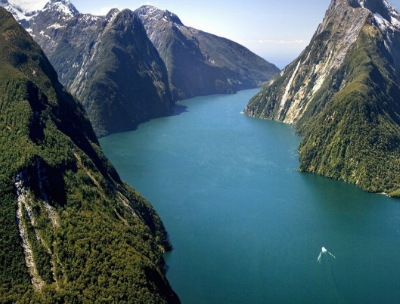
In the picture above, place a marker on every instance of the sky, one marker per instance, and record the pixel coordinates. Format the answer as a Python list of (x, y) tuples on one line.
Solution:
[(277, 30)]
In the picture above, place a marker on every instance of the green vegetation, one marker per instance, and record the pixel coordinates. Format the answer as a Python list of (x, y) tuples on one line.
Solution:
[(93, 238), (356, 136), (350, 127), (117, 74)]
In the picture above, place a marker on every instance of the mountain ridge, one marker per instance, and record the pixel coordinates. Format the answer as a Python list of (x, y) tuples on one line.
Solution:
[(192, 66), (200, 63), (342, 94), (107, 62)]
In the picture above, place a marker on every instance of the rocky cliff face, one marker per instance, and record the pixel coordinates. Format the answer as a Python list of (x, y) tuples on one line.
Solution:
[(107, 62), (199, 63), (342, 93), (71, 231)]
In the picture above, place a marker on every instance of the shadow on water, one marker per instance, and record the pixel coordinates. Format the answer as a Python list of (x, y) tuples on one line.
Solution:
[(178, 110)]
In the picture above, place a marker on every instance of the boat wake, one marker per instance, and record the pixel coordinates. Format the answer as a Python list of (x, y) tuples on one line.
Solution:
[(329, 273), (323, 252)]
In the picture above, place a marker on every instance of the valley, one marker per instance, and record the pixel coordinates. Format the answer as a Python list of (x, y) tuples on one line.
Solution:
[(217, 139), (246, 226)]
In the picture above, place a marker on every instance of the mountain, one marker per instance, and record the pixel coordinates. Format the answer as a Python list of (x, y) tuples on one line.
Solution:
[(343, 95), (70, 230), (199, 63), (107, 62), (123, 78)]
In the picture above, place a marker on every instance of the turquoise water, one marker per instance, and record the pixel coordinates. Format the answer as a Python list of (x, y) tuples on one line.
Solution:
[(245, 225)]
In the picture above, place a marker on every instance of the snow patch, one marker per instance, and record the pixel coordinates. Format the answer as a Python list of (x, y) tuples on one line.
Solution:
[(44, 35), (391, 9), (379, 20), (30, 31), (385, 25), (63, 9), (56, 26), (395, 22), (394, 17), (89, 17)]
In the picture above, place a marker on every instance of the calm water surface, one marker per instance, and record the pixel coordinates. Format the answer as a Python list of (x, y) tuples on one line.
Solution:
[(245, 225)]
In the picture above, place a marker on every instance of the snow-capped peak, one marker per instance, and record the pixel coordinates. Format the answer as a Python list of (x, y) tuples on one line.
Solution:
[(23, 9), (65, 7), (26, 9), (153, 13), (394, 15), (383, 11)]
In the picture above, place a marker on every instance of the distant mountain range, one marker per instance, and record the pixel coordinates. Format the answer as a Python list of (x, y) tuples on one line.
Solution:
[(199, 63), (107, 62), (70, 230), (343, 95), (124, 78)]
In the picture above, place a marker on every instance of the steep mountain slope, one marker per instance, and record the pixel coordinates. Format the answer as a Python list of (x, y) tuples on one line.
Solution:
[(199, 63), (343, 94), (70, 230), (110, 64), (107, 62)]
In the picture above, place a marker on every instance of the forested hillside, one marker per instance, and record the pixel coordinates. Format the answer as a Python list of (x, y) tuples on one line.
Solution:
[(70, 230)]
